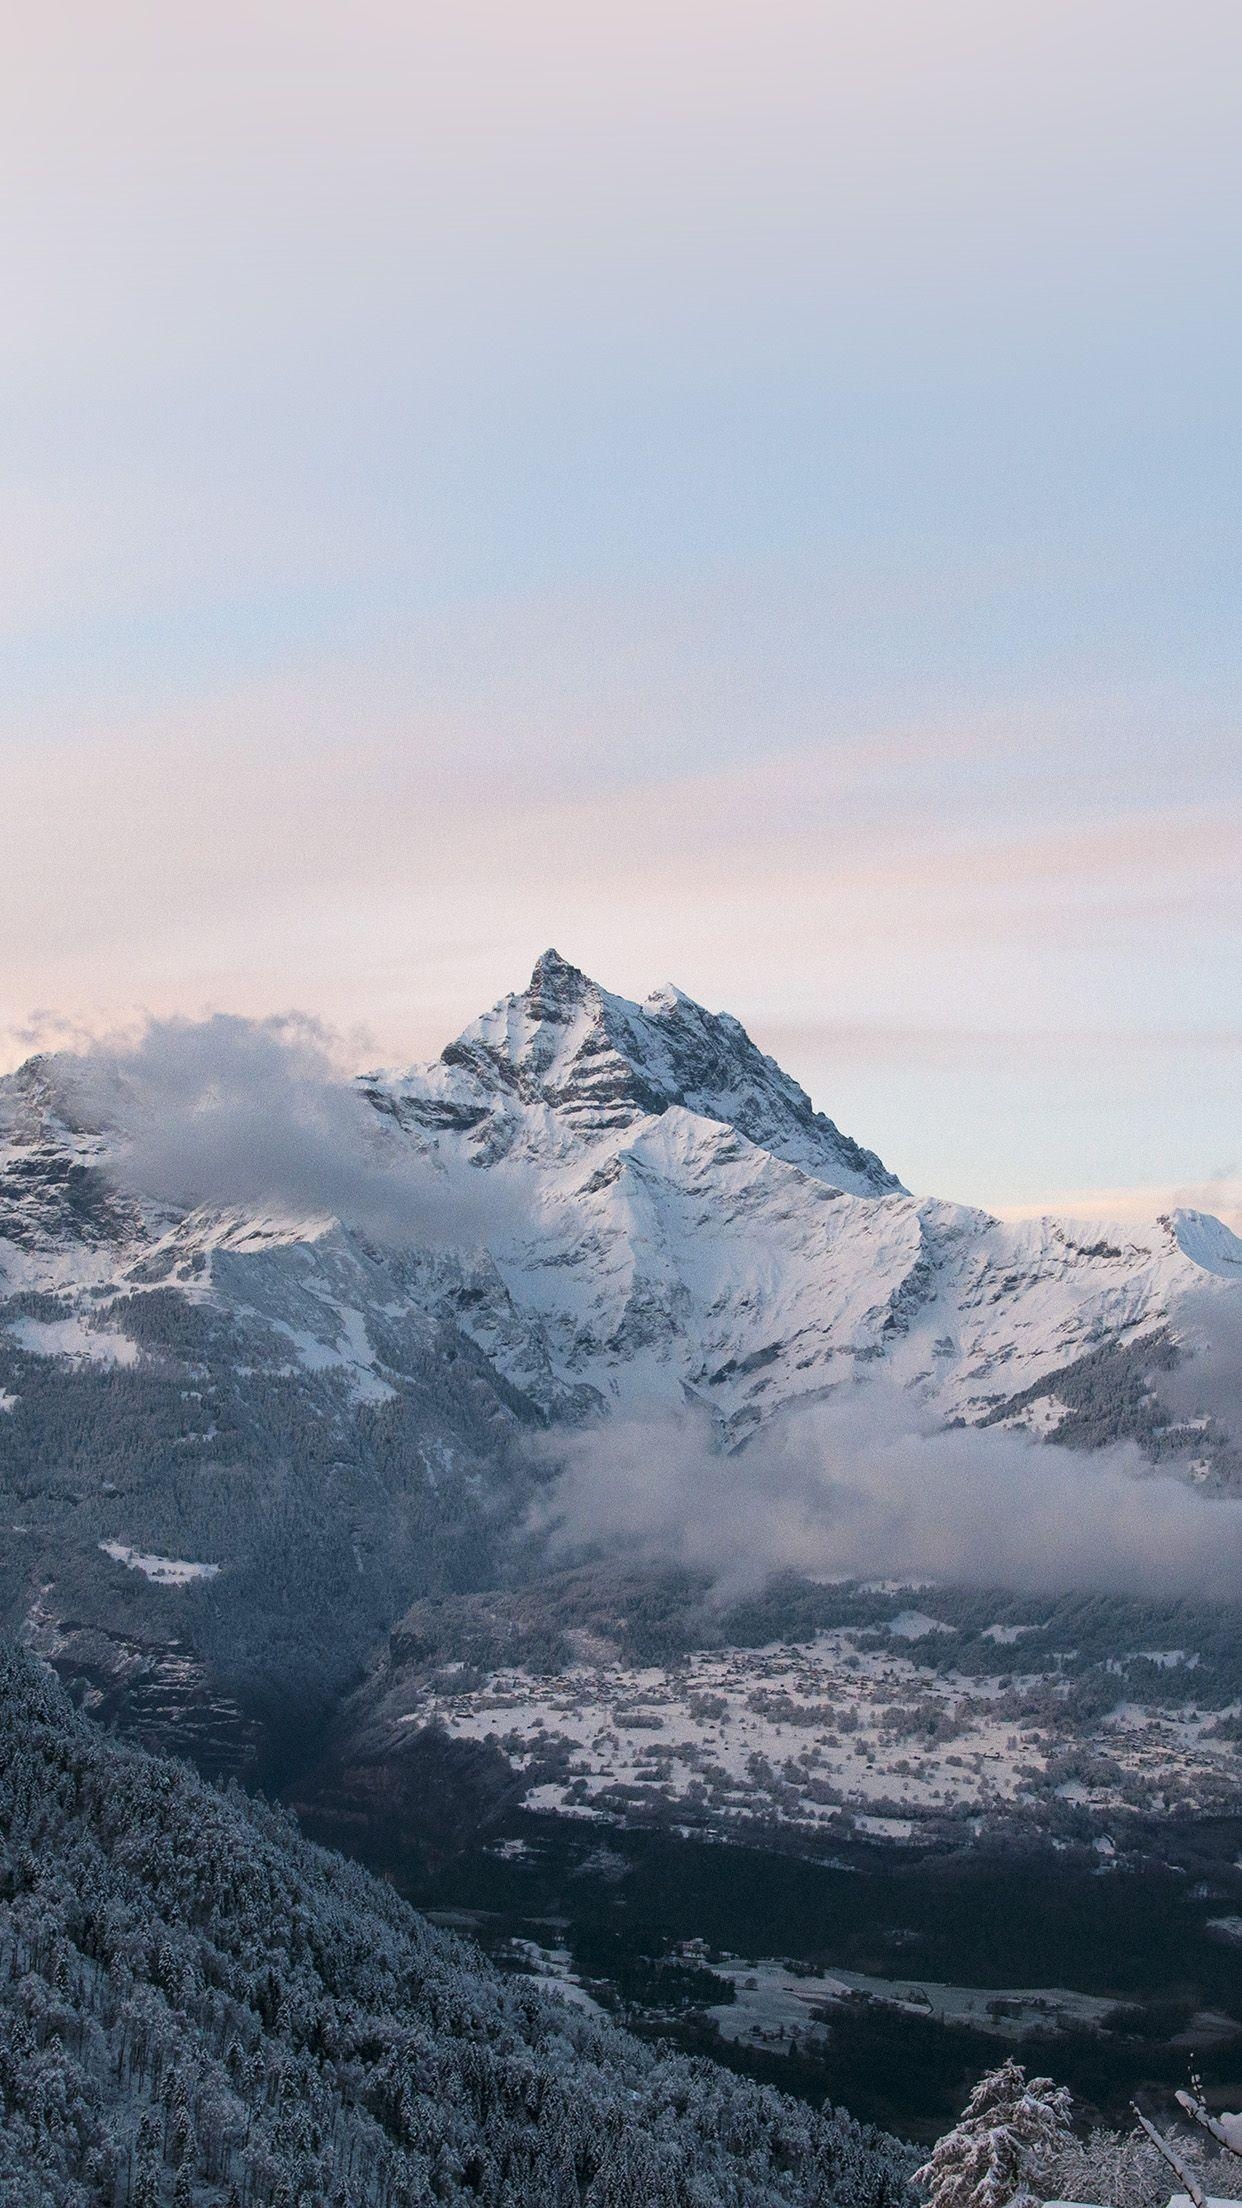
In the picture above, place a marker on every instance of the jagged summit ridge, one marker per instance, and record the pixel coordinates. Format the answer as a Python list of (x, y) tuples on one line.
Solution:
[(602, 1063)]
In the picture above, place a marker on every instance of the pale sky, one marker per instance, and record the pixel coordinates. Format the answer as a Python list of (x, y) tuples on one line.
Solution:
[(748, 494)]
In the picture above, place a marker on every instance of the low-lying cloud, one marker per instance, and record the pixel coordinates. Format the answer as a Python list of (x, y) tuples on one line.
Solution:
[(260, 1115), (857, 1487)]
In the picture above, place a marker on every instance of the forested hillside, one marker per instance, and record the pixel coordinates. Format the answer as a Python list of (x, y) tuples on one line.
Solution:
[(199, 2007)]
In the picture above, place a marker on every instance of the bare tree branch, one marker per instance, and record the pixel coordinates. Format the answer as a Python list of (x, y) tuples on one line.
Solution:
[(1174, 2160), (1200, 2114)]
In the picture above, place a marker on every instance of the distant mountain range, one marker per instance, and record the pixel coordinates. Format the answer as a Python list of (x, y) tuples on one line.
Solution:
[(238, 1438)]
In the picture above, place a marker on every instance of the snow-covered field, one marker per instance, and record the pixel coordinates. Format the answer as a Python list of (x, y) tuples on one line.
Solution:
[(165, 1571), (772, 2002), (797, 1735), (75, 1337)]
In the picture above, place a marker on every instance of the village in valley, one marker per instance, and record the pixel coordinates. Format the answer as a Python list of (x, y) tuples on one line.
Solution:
[(842, 1729)]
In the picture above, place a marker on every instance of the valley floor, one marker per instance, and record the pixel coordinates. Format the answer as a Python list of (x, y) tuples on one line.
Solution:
[(840, 1730)]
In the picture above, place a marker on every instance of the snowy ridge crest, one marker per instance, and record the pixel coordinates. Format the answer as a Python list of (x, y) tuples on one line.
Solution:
[(657, 1215)]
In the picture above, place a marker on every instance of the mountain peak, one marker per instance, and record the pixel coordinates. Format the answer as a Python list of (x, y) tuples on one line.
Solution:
[(554, 976), (601, 1063)]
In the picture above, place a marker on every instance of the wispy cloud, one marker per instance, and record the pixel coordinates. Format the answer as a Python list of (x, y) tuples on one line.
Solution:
[(860, 1488), (261, 1114)]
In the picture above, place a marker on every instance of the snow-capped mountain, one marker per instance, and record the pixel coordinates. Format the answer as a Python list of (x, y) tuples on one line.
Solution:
[(649, 1213), (692, 1227), (566, 1064), (657, 1212)]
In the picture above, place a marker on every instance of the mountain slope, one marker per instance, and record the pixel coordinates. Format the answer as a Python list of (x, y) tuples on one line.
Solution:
[(689, 1227), (199, 2006)]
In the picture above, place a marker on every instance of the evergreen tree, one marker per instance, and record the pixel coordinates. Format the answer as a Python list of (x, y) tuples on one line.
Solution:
[(1010, 2126)]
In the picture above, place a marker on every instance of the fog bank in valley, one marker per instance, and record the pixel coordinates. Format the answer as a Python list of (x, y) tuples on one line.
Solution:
[(858, 1486)]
